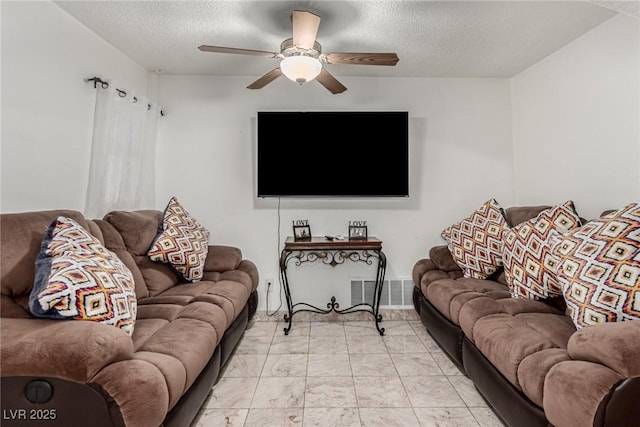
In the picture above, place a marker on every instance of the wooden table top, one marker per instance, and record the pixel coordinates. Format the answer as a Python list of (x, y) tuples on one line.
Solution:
[(320, 242)]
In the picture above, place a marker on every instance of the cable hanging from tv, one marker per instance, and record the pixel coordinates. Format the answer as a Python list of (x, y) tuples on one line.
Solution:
[(121, 93)]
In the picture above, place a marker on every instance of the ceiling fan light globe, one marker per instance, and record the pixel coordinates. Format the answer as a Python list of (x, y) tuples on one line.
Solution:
[(300, 68)]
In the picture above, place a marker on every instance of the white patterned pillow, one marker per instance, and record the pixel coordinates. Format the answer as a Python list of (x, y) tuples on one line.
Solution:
[(181, 242), (78, 278), (599, 268), (529, 265), (476, 241)]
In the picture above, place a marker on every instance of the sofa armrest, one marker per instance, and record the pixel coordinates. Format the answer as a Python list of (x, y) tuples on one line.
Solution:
[(69, 349), (252, 270), (615, 345), (420, 268), (440, 265), (600, 385), (222, 258), (573, 391)]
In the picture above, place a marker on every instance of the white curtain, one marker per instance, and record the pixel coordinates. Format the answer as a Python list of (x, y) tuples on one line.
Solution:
[(122, 170)]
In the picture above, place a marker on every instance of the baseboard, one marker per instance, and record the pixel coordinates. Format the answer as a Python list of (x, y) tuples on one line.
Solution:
[(408, 313)]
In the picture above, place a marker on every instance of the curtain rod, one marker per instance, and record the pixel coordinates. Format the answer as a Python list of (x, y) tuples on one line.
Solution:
[(121, 93)]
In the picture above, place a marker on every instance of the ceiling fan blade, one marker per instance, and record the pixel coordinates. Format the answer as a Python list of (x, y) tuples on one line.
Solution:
[(360, 58), (221, 49), (327, 80), (305, 28), (266, 79)]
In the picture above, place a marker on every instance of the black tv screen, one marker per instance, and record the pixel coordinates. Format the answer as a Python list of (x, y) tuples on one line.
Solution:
[(333, 154)]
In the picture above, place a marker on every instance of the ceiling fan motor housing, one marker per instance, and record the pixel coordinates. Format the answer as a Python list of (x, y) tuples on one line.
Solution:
[(287, 48)]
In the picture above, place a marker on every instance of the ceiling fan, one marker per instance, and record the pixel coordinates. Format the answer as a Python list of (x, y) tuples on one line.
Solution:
[(302, 58)]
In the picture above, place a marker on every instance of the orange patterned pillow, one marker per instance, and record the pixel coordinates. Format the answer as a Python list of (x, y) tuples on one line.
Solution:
[(78, 278), (476, 241), (529, 266), (599, 268), (181, 242)]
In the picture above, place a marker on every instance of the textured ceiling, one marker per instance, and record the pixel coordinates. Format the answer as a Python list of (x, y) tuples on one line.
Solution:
[(432, 38), (628, 7)]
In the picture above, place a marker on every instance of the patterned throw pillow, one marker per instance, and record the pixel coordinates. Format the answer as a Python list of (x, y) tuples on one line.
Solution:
[(529, 265), (78, 278), (599, 268), (181, 242), (476, 241)]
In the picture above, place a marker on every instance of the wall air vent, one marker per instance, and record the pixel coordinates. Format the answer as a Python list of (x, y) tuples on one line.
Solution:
[(395, 292)]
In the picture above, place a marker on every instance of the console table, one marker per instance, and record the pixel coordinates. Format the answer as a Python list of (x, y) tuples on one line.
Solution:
[(333, 252)]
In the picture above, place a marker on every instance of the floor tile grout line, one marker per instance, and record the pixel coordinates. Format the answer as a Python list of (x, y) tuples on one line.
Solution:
[(258, 381), (350, 355)]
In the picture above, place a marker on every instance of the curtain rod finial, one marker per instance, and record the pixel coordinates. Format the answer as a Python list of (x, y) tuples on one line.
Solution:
[(97, 80)]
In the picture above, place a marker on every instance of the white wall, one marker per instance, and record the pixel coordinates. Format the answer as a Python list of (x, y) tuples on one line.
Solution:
[(575, 117), (460, 130), (460, 147), (47, 108), (576, 121), (567, 128)]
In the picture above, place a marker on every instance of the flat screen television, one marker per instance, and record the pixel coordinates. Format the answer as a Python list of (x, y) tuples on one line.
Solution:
[(333, 154)]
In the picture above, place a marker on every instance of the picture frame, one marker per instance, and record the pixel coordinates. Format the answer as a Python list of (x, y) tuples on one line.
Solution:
[(358, 230), (301, 231)]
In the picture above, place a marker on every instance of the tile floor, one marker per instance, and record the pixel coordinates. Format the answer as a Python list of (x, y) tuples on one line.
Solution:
[(342, 374)]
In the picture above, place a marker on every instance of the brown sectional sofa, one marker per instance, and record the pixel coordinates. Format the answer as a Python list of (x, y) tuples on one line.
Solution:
[(99, 375), (524, 356)]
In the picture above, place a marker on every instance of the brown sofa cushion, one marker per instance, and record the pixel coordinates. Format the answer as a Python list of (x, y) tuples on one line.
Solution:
[(172, 369), (555, 327), (178, 330), (442, 294), (426, 272), (154, 329), (517, 214), (230, 293), (190, 341), (15, 307), (524, 347), (74, 350), (21, 235), (157, 276), (166, 312), (442, 259), (534, 368), (505, 341), (222, 258), (611, 344), (486, 305), (140, 389), (145, 328), (138, 230)]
